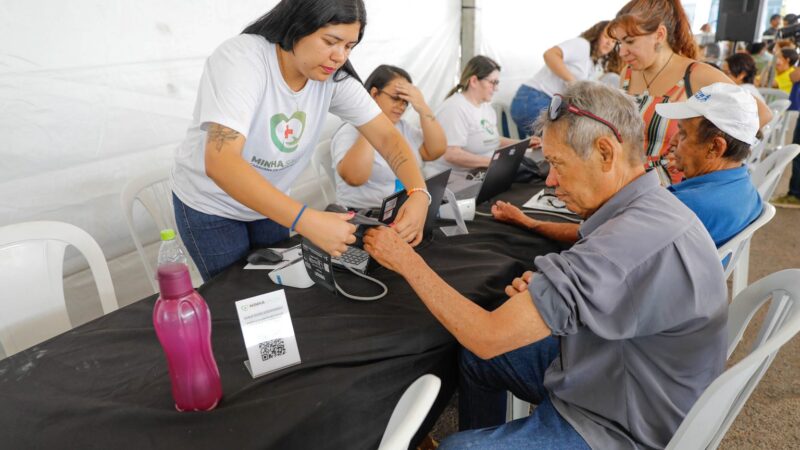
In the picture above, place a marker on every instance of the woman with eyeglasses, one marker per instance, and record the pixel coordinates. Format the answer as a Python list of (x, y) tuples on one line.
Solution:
[(469, 121), (581, 58), (656, 43), (261, 106), (364, 178)]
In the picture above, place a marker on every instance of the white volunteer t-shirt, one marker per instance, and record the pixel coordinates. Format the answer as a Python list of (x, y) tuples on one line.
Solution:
[(381, 181), (577, 58), (473, 128), (750, 88), (242, 89)]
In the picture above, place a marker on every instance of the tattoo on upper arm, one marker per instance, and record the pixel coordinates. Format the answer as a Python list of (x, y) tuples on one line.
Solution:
[(219, 135), (396, 160)]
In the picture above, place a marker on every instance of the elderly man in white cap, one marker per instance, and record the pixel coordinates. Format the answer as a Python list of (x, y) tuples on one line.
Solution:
[(717, 127)]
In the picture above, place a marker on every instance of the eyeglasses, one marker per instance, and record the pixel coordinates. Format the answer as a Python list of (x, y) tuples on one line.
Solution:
[(558, 107), (397, 100), (492, 82)]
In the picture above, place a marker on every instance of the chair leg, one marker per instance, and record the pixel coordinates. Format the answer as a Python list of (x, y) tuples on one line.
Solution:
[(516, 409)]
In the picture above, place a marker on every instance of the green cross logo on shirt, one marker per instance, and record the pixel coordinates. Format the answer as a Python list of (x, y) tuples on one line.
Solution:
[(487, 126), (287, 131)]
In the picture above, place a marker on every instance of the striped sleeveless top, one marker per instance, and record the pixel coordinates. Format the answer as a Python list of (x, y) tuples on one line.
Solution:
[(657, 130)]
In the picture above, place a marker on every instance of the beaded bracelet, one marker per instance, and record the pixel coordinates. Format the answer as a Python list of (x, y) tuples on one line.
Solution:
[(291, 229), (423, 190)]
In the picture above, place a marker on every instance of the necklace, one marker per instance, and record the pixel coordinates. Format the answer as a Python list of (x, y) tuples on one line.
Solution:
[(646, 92)]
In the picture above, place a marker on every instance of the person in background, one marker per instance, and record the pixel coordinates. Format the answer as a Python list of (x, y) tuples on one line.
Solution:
[(785, 62), (774, 24), (260, 109), (581, 58), (789, 20), (469, 121), (741, 68), (761, 56), (363, 177), (656, 43)]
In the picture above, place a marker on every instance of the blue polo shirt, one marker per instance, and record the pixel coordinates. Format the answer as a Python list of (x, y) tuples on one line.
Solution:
[(725, 201)]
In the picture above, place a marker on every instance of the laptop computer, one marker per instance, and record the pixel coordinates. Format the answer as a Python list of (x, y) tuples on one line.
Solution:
[(358, 259), (498, 177)]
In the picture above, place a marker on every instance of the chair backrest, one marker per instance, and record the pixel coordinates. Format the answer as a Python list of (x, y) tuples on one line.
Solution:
[(410, 412), (322, 162), (713, 413), (767, 174), (31, 275), (153, 191), (732, 249), (772, 94), (505, 124)]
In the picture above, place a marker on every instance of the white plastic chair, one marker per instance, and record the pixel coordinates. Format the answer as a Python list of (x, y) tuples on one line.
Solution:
[(709, 419), (772, 94), (504, 113), (782, 118), (31, 275), (322, 162), (767, 174), (411, 410), (153, 191), (738, 249)]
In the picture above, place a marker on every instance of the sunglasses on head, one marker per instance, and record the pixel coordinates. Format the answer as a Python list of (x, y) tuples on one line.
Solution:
[(558, 107)]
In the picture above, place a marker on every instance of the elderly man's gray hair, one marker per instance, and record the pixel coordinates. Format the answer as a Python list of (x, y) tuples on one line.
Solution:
[(604, 101)]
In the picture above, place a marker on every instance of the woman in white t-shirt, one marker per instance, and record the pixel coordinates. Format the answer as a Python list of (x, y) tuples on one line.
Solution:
[(468, 119), (364, 179), (260, 109), (581, 58)]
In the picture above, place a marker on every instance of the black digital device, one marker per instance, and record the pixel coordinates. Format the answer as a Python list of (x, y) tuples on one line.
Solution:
[(318, 265), (498, 177)]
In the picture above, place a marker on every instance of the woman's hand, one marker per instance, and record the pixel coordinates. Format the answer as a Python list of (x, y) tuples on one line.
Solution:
[(410, 220), (329, 231), (535, 142), (413, 96), (519, 284)]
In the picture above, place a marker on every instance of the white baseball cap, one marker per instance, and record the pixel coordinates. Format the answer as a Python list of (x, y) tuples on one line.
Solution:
[(729, 107)]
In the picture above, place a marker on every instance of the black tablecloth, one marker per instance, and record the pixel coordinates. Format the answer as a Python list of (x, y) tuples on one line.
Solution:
[(105, 384)]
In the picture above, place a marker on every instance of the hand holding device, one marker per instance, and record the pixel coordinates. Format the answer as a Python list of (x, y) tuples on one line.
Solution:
[(329, 231)]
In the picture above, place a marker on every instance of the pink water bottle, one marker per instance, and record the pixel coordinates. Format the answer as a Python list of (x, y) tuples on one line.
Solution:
[(183, 325)]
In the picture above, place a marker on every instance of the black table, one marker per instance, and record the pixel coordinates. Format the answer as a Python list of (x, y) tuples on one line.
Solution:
[(105, 384)]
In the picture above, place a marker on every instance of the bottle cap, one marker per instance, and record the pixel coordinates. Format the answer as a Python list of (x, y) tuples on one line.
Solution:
[(174, 280), (167, 234)]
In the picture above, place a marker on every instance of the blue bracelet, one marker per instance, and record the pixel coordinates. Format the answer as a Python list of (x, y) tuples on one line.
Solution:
[(291, 229)]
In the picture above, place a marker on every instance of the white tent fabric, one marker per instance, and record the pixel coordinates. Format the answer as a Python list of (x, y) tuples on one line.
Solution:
[(94, 92), (516, 34)]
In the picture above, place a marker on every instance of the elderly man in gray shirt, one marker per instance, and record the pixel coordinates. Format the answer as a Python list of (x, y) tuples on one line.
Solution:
[(615, 338)]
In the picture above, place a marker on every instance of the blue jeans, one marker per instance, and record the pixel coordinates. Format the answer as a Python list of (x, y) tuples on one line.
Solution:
[(482, 402), (215, 243), (526, 106)]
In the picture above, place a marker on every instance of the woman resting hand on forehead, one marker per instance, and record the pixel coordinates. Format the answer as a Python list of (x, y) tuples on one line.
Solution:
[(364, 178), (261, 106), (655, 42)]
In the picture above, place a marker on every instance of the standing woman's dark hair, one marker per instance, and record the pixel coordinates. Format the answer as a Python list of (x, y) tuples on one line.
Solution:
[(291, 20), (479, 66), (382, 75)]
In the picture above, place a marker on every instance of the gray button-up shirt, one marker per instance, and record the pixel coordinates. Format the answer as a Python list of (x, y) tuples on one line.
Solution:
[(641, 304)]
